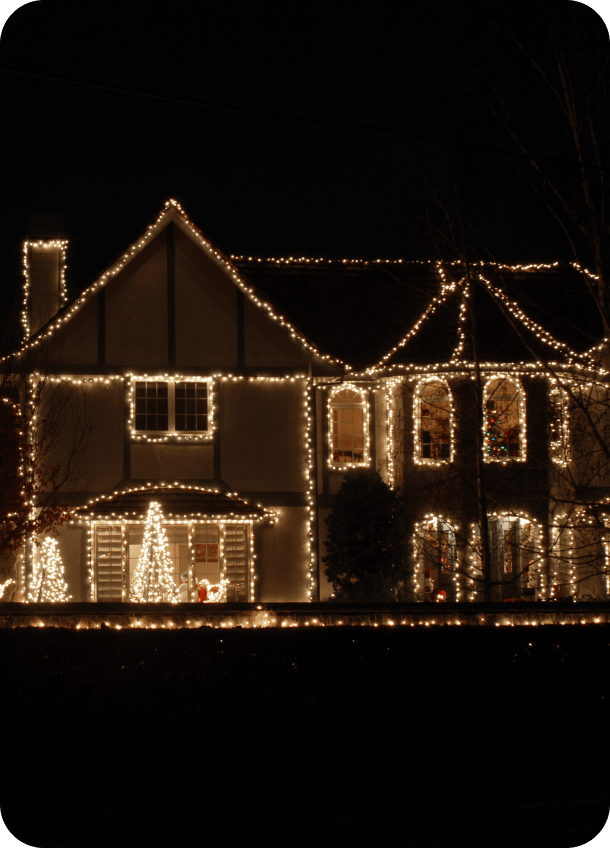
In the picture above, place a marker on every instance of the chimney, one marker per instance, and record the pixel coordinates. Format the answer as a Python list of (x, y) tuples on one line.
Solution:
[(44, 265)]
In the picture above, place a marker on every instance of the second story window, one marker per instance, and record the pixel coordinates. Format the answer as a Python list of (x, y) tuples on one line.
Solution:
[(348, 423), (433, 423), (161, 409), (504, 420)]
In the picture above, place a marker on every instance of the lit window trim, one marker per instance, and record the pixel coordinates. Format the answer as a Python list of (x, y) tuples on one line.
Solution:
[(366, 459), (511, 378), (419, 459), (540, 569), (190, 524), (172, 435), (418, 570)]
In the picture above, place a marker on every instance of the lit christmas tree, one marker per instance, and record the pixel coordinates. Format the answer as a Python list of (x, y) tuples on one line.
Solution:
[(48, 582), (494, 437), (153, 580)]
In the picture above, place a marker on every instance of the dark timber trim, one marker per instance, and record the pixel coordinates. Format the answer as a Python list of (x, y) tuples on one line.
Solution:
[(101, 328), (241, 328), (171, 296)]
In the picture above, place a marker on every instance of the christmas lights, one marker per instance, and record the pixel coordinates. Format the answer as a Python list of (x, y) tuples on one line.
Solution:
[(172, 211), (48, 583), (4, 586), (433, 422), (435, 555), (153, 580), (348, 427), (54, 244), (167, 422), (504, 436)]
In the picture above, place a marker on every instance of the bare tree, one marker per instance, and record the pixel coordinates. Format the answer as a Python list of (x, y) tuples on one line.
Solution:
[(45, 428)]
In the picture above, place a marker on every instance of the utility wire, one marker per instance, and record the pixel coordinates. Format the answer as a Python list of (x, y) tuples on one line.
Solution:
[(301, 119)]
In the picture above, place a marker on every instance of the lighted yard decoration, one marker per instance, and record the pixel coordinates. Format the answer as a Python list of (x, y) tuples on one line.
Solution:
[(153, 580), (48, 583), (211, 593)]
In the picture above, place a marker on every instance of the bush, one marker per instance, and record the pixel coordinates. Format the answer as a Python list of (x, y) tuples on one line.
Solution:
[(367, 550)]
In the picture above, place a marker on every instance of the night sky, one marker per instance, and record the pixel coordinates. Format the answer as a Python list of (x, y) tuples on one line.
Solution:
[(335, 184)]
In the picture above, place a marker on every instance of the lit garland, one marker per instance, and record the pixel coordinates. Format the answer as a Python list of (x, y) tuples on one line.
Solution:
[(48, 583), (363, 405), (55, 244), (153, 580)]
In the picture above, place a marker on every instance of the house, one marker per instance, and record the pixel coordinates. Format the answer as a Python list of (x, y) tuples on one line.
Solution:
[(180, 377)]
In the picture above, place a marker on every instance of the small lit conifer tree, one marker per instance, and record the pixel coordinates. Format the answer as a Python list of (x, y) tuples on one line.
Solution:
[(48, 583), (153, 580)]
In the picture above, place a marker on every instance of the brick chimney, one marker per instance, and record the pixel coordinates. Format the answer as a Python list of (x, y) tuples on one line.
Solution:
[(44, 263)]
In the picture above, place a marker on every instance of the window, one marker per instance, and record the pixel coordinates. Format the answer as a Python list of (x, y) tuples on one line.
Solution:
[(514, 562), (179, 409), (348, 427), (504, 425), (208, 552), (433, 423), (436, 576)]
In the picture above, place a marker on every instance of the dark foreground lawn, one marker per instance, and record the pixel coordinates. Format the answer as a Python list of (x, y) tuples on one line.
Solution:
[(363, 736)]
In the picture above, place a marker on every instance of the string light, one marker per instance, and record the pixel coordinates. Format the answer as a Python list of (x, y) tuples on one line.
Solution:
[(48, 583), (59, 245), (577, 368), (429, 403), (340, 398), (153, 580)]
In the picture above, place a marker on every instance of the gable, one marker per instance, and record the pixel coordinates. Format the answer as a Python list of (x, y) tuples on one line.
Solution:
[(172, 301)]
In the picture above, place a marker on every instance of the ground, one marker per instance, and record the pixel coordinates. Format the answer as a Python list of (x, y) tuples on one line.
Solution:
[(350, 734)]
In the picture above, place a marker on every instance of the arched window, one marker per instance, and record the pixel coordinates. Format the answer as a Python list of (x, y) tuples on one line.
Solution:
[(433, 423), (348, 425), (515, 562), (436, 576), (504, 424)]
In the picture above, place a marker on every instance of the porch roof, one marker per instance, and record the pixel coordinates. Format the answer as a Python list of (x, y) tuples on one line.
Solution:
[(177, 502)]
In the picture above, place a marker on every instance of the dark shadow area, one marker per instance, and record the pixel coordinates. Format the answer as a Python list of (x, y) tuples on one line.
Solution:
[(358, 737)]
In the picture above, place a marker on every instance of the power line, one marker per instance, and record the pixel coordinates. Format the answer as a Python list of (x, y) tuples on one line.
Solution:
[(301, 119)]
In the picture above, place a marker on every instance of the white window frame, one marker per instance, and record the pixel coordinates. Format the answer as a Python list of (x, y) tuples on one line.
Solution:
[(171, 434)]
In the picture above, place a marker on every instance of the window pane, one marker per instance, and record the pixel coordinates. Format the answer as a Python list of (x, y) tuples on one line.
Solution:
[(151, 406)]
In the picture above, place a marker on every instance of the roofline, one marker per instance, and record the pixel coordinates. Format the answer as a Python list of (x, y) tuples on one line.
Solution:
[(171, 211)]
